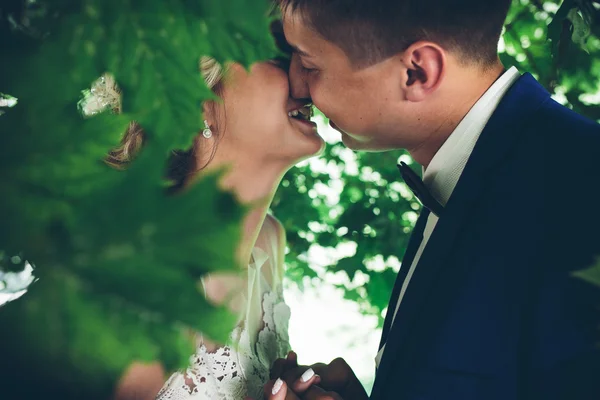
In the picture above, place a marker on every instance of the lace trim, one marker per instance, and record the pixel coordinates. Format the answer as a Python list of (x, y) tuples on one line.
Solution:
[(234, 372), (103, 95)]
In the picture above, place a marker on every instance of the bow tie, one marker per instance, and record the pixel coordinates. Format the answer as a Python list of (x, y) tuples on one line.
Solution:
[(415, 183)]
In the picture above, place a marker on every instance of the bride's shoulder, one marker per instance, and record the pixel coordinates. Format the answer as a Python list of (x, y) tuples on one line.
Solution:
[(272, 230), (271, 239)]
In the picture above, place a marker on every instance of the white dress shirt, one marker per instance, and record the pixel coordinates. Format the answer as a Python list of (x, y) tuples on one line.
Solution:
[(448, 163)]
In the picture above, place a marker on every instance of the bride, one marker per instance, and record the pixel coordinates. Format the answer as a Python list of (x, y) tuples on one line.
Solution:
[(260, 132)]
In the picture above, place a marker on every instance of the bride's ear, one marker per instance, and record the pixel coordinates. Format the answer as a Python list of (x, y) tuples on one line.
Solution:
[(425, 67), (208, 112)]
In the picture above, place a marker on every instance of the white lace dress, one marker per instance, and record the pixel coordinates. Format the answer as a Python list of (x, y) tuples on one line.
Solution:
[(242, 368)]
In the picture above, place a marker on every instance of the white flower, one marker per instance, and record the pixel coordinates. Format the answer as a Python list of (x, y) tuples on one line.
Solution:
[(14, 284), (103, 95)]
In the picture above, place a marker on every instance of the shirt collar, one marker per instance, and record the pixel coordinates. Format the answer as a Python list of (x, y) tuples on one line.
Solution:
[(444, 170)]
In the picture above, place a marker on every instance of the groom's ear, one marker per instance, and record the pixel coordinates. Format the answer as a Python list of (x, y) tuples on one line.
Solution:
[(425, 67)]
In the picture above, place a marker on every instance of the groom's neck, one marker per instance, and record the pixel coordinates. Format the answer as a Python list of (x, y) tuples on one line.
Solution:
[(462, 88)]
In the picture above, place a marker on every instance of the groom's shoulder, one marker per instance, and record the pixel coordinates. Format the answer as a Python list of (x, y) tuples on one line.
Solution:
[(546, 120), (568, 124), (570, 143), (551, 123), (556, 149), (564, 153), (564, 140)]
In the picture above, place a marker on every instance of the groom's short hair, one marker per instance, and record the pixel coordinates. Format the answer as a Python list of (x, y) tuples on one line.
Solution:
[(369, 31)]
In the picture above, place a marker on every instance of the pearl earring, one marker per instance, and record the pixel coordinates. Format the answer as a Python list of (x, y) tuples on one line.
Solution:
[(207, 133)]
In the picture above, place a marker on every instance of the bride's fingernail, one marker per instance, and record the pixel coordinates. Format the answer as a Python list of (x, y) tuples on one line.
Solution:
[(309, 373), (277, 386)]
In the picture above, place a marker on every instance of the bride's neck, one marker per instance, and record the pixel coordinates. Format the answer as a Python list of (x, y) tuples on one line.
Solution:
[(254, 181)]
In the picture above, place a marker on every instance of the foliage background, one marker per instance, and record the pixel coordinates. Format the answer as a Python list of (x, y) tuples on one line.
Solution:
[(106, 244), (118, 261)]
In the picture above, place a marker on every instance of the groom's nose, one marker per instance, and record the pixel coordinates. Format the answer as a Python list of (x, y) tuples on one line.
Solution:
[(298, 83)]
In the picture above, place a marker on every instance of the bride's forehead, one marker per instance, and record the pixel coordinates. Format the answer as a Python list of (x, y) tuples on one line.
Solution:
[(260, 79)]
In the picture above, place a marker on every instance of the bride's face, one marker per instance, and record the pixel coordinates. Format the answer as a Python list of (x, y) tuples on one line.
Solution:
[(256, 115)]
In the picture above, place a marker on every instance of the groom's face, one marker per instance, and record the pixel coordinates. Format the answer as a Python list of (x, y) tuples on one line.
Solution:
[(363, 104)]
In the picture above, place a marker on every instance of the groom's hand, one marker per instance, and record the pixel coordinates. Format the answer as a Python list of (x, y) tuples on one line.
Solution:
[(282, 365)]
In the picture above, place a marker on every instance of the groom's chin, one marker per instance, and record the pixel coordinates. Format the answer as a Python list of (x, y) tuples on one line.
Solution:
[(352, 143), (358, 145)]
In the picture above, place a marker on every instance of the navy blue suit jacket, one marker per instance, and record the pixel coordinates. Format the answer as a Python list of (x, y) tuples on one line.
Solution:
[(493, 311)]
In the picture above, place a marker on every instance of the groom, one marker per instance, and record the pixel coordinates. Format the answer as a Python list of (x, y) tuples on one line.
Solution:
[(485, 305)]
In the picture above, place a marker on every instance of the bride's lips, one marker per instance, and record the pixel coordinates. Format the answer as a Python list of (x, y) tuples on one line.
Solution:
[(308, 128)]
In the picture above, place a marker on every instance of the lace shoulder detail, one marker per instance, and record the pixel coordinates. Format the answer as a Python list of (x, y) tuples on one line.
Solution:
[(239, 369)]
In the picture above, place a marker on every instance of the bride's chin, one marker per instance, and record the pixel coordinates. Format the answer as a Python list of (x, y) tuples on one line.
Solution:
[(315, 148), (305, 150), (312, 140), (320, 148)]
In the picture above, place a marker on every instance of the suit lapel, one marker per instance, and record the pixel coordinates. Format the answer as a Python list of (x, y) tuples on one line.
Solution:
[(413, 245), (494, 143)]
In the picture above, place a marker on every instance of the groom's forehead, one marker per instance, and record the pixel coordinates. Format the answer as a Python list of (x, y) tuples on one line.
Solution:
[(295, 28), (305, 41), (292, 17), (306, 37), (298, 27)]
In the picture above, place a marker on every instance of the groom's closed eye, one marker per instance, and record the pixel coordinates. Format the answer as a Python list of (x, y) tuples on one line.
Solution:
[(307, 68), (303, 59)]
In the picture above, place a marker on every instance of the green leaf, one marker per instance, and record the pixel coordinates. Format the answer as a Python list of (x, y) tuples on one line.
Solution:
[(557, 26), (238, 30), (350, 265), (591, 274), (119, 261), (581, 29)]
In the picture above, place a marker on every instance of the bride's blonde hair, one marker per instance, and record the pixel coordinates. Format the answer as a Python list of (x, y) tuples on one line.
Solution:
[(133, 140)]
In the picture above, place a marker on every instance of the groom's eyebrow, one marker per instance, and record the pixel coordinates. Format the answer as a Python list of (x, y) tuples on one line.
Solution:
[(300, 51)]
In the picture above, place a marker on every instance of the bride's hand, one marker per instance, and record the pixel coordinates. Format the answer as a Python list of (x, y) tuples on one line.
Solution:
[(336, 377), (278, 390), (299, 377)]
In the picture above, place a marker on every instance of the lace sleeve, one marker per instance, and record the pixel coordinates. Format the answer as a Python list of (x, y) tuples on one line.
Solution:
[(236, 371), (241, 368)]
